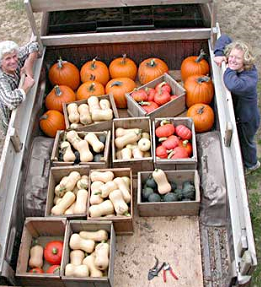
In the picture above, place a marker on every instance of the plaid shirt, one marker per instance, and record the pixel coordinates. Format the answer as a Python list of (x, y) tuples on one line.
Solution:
[(10, 95)]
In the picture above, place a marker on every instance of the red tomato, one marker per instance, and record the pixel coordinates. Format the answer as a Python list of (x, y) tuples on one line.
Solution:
[(149, 106), (163, 87), (171, 142), (183, 132), (161, 152), (187, 145), (162, 98), (36, 270), (179, 152), (54, 269), (53, 252), (151, 94), (165, 130), (139, 95)]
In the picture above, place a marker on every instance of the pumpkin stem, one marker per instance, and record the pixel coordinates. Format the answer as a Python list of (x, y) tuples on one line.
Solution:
[(93, 64), (201, 56), (57, 91), (116, 83), (54, 250), (162, 139), (91, 87), (92, 77), (164, 122), (203, 79), (123, 59), (201, 110), (60, 63), (171, 154), (152, 63), (44, 117), (142, 103)]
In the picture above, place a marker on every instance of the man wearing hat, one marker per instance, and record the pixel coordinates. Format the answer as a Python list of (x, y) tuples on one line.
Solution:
[(14, 61)]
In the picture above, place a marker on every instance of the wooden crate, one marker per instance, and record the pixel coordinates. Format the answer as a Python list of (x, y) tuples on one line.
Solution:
[(105, 163), (75, 226), (139, 164), (56, 174), (101, 126), (182, 163), (43, 230), (122, 224), (176, 208), (170, 109)]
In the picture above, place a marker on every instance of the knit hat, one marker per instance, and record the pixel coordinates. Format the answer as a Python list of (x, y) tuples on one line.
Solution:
[(7, 47)]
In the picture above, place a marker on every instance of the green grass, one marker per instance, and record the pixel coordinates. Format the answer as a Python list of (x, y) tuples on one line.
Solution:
[(17, 5), (255, 211)]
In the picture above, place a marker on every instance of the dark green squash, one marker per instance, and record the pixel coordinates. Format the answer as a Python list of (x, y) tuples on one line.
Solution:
[(188, 190), (98, 157), (170, 197), (77, 157), (179, 193), (173, 185), (154, 197), (150, 182), (146, 192), (102, 138)]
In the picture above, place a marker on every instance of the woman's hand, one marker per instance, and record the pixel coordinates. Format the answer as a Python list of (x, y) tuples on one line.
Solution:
[(219, 60), (29, 64), (28, 83)]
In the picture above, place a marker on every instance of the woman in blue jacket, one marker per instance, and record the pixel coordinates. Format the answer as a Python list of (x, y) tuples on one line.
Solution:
[(241, 79)]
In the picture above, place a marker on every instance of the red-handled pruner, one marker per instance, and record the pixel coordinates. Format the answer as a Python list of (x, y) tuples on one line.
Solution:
[(165, 268)]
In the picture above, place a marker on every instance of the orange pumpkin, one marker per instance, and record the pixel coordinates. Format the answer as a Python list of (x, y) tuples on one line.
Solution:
[(51, 122), (203, 117), (123, 67), (95, 71), (64, 73), (89, 88), (118, 88), (59, 95), (199, 89), (151, 69), (194, 65)]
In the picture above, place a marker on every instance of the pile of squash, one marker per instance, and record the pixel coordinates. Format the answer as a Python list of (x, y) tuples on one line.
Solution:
[(157, 188), (89, 255), (110, 195), (71, 195), (199, 91)]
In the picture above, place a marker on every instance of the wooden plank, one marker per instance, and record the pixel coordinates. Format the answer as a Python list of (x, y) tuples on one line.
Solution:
[(127, 37), (175, 240), (59, 5)]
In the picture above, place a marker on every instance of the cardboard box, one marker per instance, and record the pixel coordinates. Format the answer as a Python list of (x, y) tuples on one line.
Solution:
[(170, 109), (75, 226), (104, 163), (122, 224), (177, 164), (136, 164), (43, 230), (100, 126), (175, 208), (56, 174)]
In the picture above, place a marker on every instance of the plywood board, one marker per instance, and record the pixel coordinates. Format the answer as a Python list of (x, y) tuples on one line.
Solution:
[(175, 240)]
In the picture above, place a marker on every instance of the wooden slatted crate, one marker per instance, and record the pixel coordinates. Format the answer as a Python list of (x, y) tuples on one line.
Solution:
[(122, 224), (75, 226), (104, 163), (176, 208), (170, 109), (98, 126), (182, 163), (56, 174), (136, 164), (43, 230)]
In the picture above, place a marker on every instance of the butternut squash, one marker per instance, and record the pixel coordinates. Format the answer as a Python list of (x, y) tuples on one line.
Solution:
[(70, 181), (68, 154), (102, 251), (131, 137), (36, 256), (75, 126), (85, 115), (120, 206), (105, 104), (93, 140), (93, 103), (83, 183), (126, 153), (102, 209), (76, 257), (73, 138), (127, 180), (56, 199), (119, 132), (103, 176), (145, 135), (137, 153), (94, 271), (67, 200), (162, 182), (119, 154), (80, 206), (80, 271), (144, 144), (123, 187), (107, 188), (102, 115), (95, 197), (69, 210), (73, 115), (99, 235), (85, 153), (78, 243)]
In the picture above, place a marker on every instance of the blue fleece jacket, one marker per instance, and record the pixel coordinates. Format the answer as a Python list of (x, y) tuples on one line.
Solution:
[(243, 87)]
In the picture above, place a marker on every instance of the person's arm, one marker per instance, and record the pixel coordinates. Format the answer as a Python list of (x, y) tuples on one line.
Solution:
[(29, 64), (220, 46), (28, 55)]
